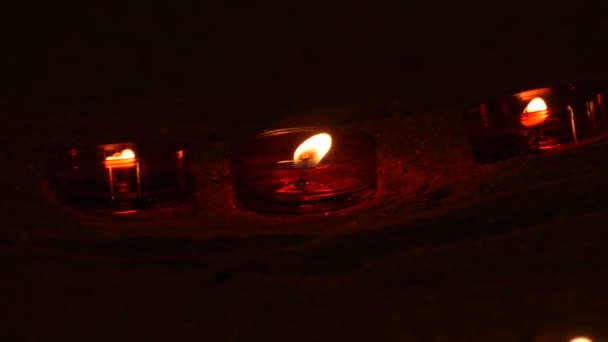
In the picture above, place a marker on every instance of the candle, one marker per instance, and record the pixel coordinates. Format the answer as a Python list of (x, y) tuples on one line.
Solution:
[(536, 112), (122, 177), (536, 120), (303, 170), (124, 173)]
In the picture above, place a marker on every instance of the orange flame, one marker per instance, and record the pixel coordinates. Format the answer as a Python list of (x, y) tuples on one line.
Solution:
[(125, 158), (581, 339), (312, 150), (535, 113)]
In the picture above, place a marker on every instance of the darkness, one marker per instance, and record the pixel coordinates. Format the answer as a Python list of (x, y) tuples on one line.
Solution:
[(293, 56), (259, 63)]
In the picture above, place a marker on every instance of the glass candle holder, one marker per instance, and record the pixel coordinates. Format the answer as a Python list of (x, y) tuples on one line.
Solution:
[(303, 170), (536, 120), (122, 177)]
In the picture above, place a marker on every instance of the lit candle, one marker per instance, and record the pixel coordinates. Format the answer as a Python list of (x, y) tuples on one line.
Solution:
[(124, 158), (312, 150), (324, 171), (536, 120), (308, 156), (535, 113), (122, 177)]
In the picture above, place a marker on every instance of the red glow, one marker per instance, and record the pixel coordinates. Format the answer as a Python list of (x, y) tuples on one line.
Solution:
[(484, 114), (120, 163), (125, 212), (125, 158), (536, 112), (581, 339)]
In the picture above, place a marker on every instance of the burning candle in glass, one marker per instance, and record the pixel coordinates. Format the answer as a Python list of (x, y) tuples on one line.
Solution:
[(122, 176), (308, 155), (324, 170), (535, 113), (537, 119), (548, 116)]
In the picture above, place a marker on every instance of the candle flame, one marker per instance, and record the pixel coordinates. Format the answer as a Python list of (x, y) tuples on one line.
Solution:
[(581, 339), (312, 150), (537, 104), (535, 113), (125, 158)]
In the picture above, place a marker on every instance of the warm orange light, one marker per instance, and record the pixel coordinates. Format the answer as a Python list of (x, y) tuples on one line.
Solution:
[(537, 104), (312, 150), (535, 113), (125, 158), (581, 339)]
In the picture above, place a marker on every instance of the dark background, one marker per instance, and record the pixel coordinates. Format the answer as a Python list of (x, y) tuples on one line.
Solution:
[(267, 61), (284, 56)]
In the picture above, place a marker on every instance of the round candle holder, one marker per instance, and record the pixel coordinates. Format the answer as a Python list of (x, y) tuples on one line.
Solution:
[(303, 170), (536, 120), (121, 177)]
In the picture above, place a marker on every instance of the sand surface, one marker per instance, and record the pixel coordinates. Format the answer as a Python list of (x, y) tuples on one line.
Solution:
[(446, 250)]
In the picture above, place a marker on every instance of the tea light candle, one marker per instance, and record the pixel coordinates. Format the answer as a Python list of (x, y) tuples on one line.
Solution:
[(325, 170), (535, 113), (124, 173), (536, 120), (122, 177)]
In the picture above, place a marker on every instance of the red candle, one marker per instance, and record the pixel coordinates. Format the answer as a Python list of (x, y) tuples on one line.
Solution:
[(124, 174)]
